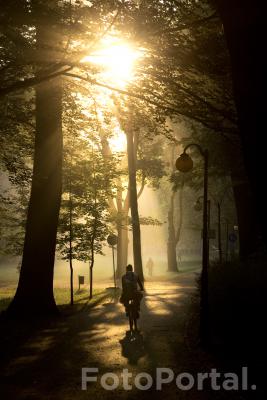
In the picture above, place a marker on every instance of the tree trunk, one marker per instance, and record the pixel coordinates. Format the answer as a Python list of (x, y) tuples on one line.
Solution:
[(181, 216), (171, 244), (70, 244), (134, 205), (125, 243), (34, 294), (119, 269), (172, 259), (173, 233), (244, 26), (91, 281), (92, 262), (122, 229), (122, 247), (71, 282), (121, 212)]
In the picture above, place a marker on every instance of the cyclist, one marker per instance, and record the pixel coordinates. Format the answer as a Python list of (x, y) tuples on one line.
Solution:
[(130, 283)]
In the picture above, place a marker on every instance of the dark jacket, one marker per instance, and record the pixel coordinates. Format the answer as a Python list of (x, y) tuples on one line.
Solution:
[(130, 282)]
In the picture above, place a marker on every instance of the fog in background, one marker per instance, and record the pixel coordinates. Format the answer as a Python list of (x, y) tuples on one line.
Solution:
[(154, 242)]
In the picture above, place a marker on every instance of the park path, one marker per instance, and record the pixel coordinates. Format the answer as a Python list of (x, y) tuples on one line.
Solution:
[(48, 364)]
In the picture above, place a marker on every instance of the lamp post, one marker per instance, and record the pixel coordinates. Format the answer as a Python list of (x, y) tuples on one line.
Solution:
[(199, 207), (184, 163)]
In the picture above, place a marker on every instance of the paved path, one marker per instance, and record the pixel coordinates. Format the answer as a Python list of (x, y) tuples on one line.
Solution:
[(48, 365)]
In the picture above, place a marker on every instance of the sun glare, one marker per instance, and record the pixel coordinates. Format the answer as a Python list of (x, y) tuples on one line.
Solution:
[(118, 142), (118, 61)]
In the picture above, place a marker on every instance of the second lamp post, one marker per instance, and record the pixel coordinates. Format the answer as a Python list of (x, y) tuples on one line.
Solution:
[(184, 163)]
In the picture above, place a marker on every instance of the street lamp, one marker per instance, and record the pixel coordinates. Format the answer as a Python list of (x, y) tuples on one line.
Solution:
[(184, 163)]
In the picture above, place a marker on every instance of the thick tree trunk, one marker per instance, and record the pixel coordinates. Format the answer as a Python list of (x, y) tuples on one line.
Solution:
[(172, 259), (119, 269), (122, 229), (125, 243), (181, 216), (122, 248), (122, 211), (134, 205), (244, 26), (174, 233), (34, 294)]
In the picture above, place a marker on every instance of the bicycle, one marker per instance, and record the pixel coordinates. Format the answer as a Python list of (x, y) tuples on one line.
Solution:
[(132, 313)]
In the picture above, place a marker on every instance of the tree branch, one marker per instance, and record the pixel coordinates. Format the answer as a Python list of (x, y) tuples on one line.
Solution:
[(14, 36), (194, 24), (31, 82), (170, 108), (193, 95), (108, 28)]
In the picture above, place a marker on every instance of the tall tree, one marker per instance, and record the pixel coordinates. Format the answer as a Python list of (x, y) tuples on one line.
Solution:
[(243, 23), (174, 229), (35, 289), (44, 48), (132, 137), (44, 204), (191, 79), (88, 180)]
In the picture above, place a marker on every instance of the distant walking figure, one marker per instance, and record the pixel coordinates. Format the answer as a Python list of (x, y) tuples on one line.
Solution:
[(150, 266)]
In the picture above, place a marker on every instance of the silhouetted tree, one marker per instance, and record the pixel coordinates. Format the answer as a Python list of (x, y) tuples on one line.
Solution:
[(243, 23)]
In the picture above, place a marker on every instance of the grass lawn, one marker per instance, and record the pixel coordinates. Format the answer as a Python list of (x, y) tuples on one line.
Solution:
[(62, 297)]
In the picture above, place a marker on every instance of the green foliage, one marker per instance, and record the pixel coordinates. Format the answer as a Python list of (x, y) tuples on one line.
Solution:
[(86, 200), (17, 137), (88, 181), (13, 208), (184, 75), (150, 221)]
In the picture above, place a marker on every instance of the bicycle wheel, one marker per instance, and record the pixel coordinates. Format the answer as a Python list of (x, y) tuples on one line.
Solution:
[(131, 315)]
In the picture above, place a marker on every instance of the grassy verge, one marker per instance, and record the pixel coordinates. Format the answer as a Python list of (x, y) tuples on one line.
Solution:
[(62, 297)]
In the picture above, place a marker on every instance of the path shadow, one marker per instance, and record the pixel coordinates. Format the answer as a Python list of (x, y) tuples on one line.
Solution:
[(132, 347), (39, 356)]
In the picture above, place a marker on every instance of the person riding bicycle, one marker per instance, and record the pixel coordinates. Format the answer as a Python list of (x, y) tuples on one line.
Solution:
[(130, 283)]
